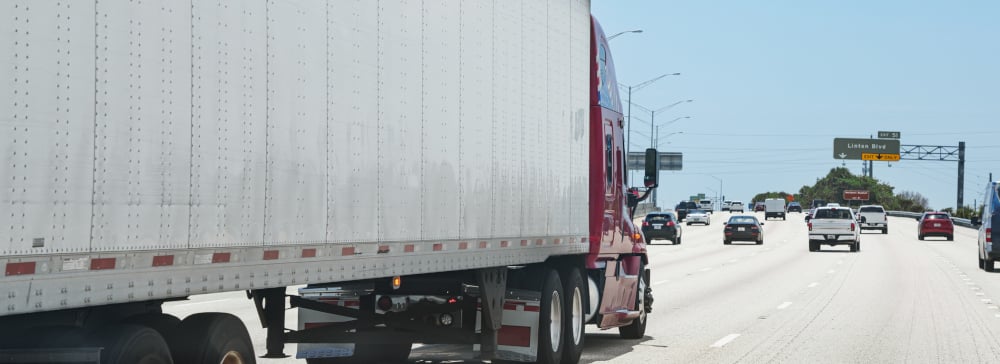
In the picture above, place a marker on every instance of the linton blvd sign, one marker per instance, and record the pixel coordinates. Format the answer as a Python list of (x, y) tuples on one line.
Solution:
[(856, 195), (848, 148)]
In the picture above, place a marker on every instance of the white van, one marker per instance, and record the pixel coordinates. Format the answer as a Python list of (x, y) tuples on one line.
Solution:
[(988, 253), (705, 205), (774, 207)]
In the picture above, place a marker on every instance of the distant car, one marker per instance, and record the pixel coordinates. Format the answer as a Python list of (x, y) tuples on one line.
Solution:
[(705, 205), (794, 207), (935, 224), (743, 228), (725, 205), (683, 207), (662, 225), (873, 217), (699, 217), (759, 206), (736, 206), (833, 204), (817, 203)]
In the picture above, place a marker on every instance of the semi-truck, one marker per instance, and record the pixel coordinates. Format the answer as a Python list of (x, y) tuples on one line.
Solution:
[(434, 172)]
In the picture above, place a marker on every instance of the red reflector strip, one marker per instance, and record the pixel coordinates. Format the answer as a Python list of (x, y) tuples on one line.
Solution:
[(463, 245), (271, 254), (583, 240), (524, 243), (313, 325), (23, 268), (539, 242), (383, 249), (524, 307), (514, 336), (557, 241), (483, 245), (346, 251), (438, 247), (163, 260), (221, 257), (102, 263), (309, 253), (408, 248), (504, 243)]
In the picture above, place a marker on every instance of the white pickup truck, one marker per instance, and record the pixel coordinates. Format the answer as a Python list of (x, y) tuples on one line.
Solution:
[(834, 226), (873, 217)]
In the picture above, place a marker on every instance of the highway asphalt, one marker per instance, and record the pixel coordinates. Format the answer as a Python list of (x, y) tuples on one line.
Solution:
[(897, 300)]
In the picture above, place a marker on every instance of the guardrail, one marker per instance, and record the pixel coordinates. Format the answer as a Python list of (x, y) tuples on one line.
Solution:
[(958, 221)]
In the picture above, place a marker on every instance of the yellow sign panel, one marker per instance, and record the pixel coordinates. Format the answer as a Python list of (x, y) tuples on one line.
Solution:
[(879, 157)]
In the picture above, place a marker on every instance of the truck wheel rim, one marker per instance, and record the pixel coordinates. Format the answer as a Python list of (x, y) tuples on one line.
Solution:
[(555, 322), (577, 315), (232, 357)]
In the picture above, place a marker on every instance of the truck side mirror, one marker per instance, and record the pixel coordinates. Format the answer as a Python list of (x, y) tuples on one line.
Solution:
[(650, 180)]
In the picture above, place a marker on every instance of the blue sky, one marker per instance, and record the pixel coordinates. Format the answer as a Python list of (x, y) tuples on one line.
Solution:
[(774, 82)]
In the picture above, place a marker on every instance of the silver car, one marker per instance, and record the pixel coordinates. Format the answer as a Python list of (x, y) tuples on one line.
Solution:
[(699, 217)]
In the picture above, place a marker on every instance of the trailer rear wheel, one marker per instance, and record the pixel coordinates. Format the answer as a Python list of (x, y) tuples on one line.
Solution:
[(551, 317), (212, 338), (132, 344), (575, 303)]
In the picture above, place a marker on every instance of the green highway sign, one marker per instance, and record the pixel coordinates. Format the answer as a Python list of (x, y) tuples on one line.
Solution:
[(888, 134), (849, 148)]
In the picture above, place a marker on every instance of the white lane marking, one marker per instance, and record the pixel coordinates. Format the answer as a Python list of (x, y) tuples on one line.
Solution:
[(993, 307), (831, 271), (784, 305), (733, 260), (813, 284), (975, 288), (706, 269), (986, 300), (198, 303), (980, 294), (661, 282), (725, 340)]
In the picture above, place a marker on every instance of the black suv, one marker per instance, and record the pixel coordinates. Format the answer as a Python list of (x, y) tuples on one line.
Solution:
[(794, 207), (661, 225), (683, 207)]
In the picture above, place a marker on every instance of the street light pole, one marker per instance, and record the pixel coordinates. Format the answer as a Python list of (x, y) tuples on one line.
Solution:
[(638, 87), (620, 33), (720, 190), (652, 122)]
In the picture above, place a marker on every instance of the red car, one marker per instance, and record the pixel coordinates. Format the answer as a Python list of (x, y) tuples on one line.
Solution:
[(935, 224)]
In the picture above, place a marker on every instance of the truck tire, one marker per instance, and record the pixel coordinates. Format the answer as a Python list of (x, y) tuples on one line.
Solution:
[(951, 237), (725, 242), (854, 247), (576, 296), (678, 241), (813, 246), (885, 230), (212, 338), (550, 319), (989, 266), (637, 329), (920, 236), (126, 344)]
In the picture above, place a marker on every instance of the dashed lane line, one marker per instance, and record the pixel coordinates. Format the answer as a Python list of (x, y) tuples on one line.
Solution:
[(725, 340), (784, 305)]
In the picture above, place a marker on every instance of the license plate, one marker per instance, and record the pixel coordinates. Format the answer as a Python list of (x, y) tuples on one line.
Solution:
[(937, 224), (741, 229), (831, 237), (657, 226)]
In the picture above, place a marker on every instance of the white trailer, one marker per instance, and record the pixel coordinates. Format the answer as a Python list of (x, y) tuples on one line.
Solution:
[(156, 150)]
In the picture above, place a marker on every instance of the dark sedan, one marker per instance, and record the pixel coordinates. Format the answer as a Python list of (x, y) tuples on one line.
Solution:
[(794, 207), (661, 225), (743, 228)]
